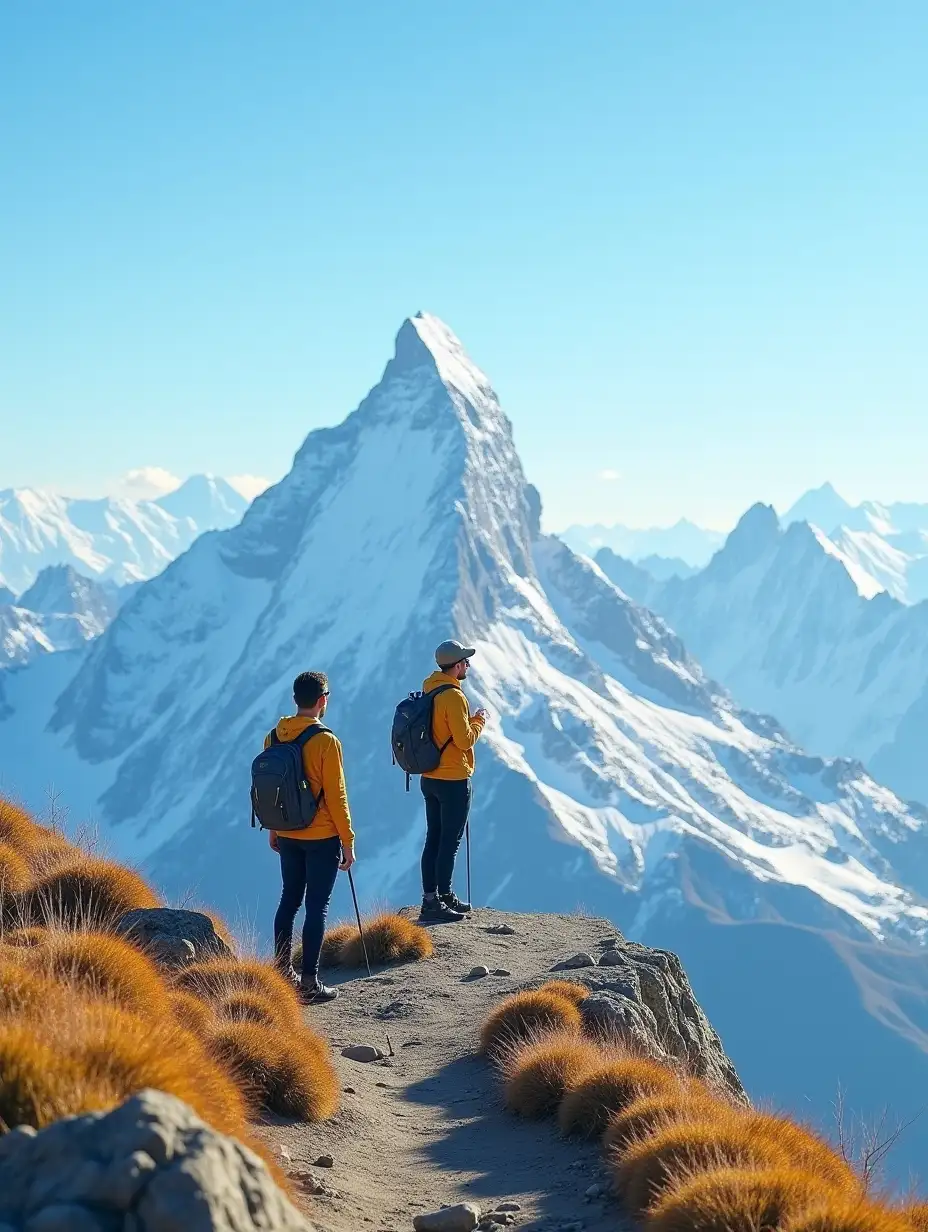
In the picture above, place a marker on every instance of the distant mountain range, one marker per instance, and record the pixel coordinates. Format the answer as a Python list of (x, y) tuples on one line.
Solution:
[(614, 773), (793, 627), (116, 540), (684, 544), (62, 610)]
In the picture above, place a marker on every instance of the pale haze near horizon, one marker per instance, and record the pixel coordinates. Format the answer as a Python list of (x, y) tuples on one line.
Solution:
[(686, 243)]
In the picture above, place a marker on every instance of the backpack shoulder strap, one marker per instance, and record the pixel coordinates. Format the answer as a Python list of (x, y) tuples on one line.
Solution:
[(314, 729), (442, 688), (272, 737)]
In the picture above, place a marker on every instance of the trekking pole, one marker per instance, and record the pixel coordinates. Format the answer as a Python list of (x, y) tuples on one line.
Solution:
[(357, 912), (467, 836)]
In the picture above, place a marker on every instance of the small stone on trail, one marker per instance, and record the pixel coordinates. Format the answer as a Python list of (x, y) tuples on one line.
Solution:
[(285, 1155), (595, 1191), (477, 973), (500, 971), (362, 1052), (611, 958), (382, 1084), (578, 960), (325, 1161), (461, 1218), (349, 1090), (509, 1206), (413, 1043), (502, 930)]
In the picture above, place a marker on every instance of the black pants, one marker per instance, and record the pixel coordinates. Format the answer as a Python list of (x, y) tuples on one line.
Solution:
[(447, 804), (308, 869)]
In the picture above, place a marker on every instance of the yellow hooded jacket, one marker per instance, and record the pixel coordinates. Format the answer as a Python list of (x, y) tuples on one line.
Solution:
[(452, 721), (325, 772)]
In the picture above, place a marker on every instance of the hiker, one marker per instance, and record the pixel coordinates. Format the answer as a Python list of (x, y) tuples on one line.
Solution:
[(447, 789), (311, 858)]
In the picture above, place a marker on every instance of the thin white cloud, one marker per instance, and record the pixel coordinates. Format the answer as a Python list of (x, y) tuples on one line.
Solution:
[(609, 476), (144, 483), (249, 486)]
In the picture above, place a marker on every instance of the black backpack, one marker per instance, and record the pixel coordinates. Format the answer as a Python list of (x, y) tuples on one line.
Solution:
[(414, 748), (281, 798)]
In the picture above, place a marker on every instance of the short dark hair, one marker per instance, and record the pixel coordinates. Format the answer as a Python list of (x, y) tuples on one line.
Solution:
[(308, 688)]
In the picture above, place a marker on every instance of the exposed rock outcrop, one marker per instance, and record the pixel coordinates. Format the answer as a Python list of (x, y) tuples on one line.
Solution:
[(172, 937), (150, 1165)]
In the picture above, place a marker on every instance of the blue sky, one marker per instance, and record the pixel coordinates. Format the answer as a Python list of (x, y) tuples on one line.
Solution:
[(687, 241)]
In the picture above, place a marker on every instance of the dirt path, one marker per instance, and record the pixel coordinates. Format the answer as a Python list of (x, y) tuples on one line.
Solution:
[(427, 1127)]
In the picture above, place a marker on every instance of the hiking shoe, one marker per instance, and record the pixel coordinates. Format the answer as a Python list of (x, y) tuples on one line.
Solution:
[(317, 994), (456, 904), (434, 911), (291, 975)]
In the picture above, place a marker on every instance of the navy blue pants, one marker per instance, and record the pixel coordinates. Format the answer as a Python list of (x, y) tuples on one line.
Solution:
[(447, 805), (308, 868)]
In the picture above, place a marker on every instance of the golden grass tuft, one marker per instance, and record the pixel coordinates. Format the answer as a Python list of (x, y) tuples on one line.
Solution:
[(645, 1170), (27, 938), (37, 1086), (809, 1152), (566, 988), (588, 1106), (389, 939), (192, 1013), (525, 1016), (689, 1101), (119, 1053), (734, 1200), (917, 1216), (24, 992), (17, 828), (845, 1216), (536, 1074), (291, 1074), (95, 1055), (332, 943), (248, 1007), (14, 873), (99, 964), (216, 979), (88, 892)]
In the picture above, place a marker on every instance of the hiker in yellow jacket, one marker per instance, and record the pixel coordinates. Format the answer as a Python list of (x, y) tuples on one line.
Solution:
[(447, 789), (310, 859)]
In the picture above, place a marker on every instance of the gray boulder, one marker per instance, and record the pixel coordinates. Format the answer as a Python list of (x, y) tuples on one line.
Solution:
[(171, 937), (150, 1165), (647, 1001)]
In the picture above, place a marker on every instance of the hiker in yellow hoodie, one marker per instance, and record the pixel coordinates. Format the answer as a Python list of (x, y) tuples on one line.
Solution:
[(447, 789), (310, 859)]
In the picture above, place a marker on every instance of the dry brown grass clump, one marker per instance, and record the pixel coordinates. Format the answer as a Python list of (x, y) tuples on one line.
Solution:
[(94, 964), (87, 893), (332, 943), (566, 988), (17, 828), (690, 1101), (917, 1216), (37, 1086), (192, 1013), (217, 979), (645, 1170), (734, 1200), (837, 1216), (537, 1073), (288, 1073), (588, 1107), (95, 1055), (525, 1016), (809, 1152), (24, 992), (14, 874), (248, 1007), (389, 938), (26, 938)]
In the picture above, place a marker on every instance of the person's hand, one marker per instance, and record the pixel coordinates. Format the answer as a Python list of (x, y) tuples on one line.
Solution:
[(481, 714), (272, 839), (347, 860)]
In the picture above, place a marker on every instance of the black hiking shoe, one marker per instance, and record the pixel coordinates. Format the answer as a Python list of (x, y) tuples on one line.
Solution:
[(434, 911), (456, 904), (317, 994)]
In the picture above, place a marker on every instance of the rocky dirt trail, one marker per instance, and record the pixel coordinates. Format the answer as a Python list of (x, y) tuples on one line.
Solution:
[(427, 1127)]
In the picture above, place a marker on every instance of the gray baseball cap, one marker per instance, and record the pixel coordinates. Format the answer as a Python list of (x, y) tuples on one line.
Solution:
[(451, 652)]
